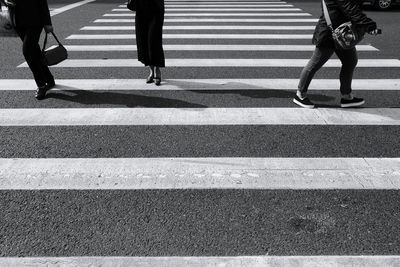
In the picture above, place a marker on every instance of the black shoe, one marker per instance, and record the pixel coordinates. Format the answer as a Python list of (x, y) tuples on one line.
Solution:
[(157, 76), (305, 103), (41, 92), (350, 103), (50, 84), (150, 79), (157, 80)]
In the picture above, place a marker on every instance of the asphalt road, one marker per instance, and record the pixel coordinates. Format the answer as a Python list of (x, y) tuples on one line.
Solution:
[(197, 222)]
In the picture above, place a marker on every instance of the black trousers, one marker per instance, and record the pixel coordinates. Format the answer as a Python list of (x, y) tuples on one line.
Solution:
[(33, 56), (148, 26)]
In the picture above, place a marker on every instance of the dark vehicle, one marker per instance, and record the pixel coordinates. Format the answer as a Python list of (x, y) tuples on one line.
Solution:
[(382, 4)]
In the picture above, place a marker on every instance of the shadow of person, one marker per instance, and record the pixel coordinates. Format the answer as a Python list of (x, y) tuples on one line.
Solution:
[(252, 90), (127, 99)]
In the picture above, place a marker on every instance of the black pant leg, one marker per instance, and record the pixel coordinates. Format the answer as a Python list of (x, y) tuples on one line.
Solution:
[(349, 61), (33, 56), (141, 28), (156, 51)]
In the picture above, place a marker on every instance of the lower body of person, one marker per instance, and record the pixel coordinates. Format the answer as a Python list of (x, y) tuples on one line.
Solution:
[(150, 51), (30, 47), (320, 56)]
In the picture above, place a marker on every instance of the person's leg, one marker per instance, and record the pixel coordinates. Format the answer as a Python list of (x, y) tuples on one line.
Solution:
[(320, 56), (318, 59), (142, 30), (150, 78), (156, 52), (349, 61), (32, 54)]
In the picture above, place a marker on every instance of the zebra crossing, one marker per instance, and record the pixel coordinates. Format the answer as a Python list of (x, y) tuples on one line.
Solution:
[(209, 38)]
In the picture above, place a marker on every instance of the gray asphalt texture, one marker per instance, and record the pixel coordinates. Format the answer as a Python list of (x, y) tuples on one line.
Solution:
[(197, 222), (200, 141)]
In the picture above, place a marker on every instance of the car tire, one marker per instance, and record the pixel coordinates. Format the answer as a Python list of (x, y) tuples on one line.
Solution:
[(383, 4)]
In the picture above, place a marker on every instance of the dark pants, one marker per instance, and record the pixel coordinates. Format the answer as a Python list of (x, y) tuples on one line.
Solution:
[(320, 57), (148, 26), (33, 56)]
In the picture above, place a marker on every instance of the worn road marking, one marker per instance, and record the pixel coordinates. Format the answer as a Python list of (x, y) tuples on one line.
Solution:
[(60, 10), (221, 62), (203, 27), (220, 14), (202, 20), (200, 173), (203, 84), (198, 116), (193, 36), (204, 47)]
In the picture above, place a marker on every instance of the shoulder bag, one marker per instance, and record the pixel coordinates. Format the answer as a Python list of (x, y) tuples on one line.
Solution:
[(345, 36), (54, 55)]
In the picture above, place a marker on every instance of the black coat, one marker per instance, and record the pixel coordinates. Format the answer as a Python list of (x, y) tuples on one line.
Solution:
[(340, 11), (32, 13), (150, 6)]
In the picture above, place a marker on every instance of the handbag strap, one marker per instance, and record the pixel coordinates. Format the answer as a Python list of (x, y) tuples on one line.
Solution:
[(326, 15), (45, 40)]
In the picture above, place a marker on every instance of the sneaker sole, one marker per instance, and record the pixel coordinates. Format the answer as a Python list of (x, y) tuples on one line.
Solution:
[(352, 105), (302, 105)]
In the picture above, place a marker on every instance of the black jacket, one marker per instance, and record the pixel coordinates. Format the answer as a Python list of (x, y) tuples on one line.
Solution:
[(340, 11), (32, 13)]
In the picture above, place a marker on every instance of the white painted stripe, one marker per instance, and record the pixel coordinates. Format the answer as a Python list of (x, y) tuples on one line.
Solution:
[(213, 6), (203, 84), (243, 261), (200, 173), (193, 36), (218, 9), (73, 48), (219, 1), (69, 7), (223, 3), (218, 15), (202, 27), (217, 62), (231, 4), (243, 20), (270, 4), (198, 116)]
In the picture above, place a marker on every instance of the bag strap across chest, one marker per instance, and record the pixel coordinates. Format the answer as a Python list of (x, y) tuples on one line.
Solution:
[(326, 15)]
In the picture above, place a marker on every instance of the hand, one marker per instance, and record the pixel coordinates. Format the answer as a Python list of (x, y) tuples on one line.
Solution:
[(371, 27), (48, 28), (375, 32)]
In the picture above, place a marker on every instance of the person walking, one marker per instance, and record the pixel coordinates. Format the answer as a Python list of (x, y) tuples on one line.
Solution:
[(149, 22), (340, 11), (31, 17)]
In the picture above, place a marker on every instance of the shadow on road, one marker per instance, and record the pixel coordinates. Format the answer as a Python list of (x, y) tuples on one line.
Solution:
[(117, 98), (243, 89)]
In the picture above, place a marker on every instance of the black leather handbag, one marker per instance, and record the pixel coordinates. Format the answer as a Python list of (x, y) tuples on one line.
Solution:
[(131, 5), (54, 55)]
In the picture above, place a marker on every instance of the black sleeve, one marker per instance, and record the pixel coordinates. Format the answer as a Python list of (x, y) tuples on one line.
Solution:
[(352, 10), (44, 12)]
